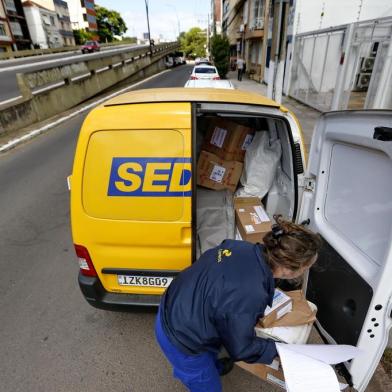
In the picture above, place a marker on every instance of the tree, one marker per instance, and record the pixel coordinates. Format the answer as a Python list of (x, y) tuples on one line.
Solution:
[(110, 23), (81, 36), (193, 42), (220, 50)]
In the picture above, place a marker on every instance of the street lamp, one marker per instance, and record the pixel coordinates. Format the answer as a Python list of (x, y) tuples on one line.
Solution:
[(148, 26)]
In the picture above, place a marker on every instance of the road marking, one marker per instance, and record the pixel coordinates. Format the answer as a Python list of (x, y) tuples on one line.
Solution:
[(84, 56), (14, 142)]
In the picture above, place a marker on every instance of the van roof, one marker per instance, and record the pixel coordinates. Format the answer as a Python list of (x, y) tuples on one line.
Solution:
[(191, 95)]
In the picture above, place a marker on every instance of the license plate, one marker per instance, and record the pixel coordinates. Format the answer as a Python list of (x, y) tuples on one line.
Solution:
[(150, 281)]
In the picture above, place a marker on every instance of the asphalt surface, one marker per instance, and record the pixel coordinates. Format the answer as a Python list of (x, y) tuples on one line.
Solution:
[(9, 68), (50, 338)]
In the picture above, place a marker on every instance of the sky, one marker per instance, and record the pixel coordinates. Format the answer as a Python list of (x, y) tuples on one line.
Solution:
[(165, 15)]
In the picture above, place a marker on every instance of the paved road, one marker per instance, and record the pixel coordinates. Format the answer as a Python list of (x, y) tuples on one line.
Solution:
[(50, 338), (9, 68)]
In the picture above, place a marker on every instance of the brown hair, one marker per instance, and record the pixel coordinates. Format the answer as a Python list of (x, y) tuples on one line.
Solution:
[(290, 245)]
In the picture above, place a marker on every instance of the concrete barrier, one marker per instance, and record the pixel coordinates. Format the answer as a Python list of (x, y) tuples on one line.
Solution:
[(48, 92)]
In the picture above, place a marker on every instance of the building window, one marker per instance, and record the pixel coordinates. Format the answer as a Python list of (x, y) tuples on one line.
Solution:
[(16, 29), (45, 19), (52, 20), (91, 19), (89, 5), (10, 5), (258, 9), (85, 17), (2, 30)]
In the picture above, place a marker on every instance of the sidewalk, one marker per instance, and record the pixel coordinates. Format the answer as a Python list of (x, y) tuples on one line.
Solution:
[(306, 115)]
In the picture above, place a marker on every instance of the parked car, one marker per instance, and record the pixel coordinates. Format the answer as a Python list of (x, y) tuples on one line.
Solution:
[(204, 72), (135, 199), (91, 46), (208, 83), (169, 61)]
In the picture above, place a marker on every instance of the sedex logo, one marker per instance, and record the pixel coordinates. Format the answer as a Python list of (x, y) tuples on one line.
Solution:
[(150, 177)]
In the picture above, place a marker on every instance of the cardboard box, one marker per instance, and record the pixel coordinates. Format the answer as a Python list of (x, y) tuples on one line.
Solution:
[(228, 140), (302, 316), (281, 305), (252, 221), (301, 312), (272, 373), (216, 173)]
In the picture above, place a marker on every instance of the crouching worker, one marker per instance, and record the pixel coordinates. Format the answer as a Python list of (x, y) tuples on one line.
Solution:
[(218, 300)]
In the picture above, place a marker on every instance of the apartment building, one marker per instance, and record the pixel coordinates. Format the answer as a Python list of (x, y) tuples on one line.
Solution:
[(245, 22), (6, 39), (43, 25), (216, 16), (17, 24), (232, 27), (64, 22), (82, 14)]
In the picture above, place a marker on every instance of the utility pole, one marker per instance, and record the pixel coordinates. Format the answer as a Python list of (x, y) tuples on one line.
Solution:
[(278, 50), (208, 36), (148, 26)]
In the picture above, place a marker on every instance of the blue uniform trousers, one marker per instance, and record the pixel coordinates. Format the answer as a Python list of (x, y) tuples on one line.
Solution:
[(198, 373)]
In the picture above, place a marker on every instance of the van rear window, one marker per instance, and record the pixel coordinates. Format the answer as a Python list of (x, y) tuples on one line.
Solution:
[(205, 70)]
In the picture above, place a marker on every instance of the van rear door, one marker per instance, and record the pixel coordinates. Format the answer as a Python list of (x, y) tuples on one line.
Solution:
[(348, 201), (136, 189)]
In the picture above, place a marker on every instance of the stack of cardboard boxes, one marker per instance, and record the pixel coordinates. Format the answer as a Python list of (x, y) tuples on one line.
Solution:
[(220, 167), (223, 151)]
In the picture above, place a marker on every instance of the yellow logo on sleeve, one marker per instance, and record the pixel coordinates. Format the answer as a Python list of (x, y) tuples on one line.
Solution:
[(223, 253)]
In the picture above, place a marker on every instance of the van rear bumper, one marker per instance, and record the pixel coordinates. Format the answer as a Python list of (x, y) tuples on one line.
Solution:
[(98, 297)]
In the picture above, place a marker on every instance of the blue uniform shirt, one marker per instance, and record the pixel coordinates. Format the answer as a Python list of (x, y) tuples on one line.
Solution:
[(218, 301)]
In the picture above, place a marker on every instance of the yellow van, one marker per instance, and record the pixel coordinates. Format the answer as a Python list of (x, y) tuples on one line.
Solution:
[(133, 188), (139, 218)]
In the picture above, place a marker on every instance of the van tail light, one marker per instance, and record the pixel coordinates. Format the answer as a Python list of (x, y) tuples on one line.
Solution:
[(216, 78), (85, 263), (194, 77)]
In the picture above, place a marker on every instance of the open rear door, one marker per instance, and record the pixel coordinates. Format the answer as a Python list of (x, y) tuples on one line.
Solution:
[(348, 200)]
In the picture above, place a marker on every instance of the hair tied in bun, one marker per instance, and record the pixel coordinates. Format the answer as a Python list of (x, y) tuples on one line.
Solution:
[(277, 231)]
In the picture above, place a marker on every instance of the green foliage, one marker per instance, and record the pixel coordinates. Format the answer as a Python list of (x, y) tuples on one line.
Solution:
[(220, 50), (81, 36), (193, 42), (110, 23), (129, 40)]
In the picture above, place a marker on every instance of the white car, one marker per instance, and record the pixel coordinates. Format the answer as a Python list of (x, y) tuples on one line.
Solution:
[(204, 72), (209, 83)]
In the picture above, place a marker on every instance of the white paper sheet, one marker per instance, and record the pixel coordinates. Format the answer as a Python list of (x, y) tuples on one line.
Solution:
[(305, 374), (307, 367), (327, 353)]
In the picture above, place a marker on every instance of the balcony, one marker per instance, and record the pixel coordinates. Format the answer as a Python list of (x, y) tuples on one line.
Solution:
[(63, 18), (10, 5), (5, 38), (256, 28), (66, 33), (61, 3)]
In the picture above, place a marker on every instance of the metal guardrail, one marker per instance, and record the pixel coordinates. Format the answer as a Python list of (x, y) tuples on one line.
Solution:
[(40, 52)]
